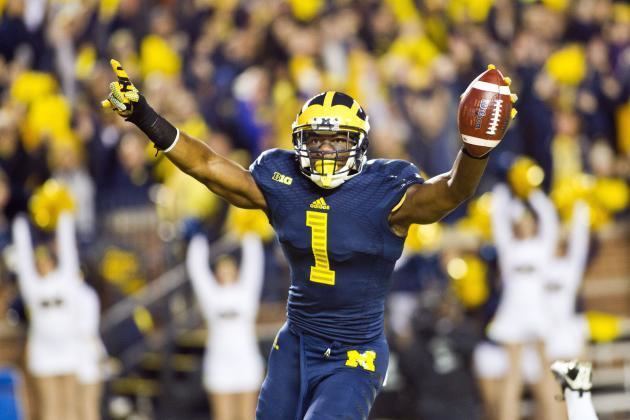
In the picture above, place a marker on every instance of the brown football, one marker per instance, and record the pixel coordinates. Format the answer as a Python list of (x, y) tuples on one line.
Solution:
[(484, 112)]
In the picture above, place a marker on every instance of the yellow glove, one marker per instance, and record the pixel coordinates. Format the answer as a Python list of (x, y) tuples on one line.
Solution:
[(123, 94), (513, 96), (127, 101)]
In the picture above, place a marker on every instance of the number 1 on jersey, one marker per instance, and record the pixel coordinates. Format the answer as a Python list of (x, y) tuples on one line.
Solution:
[(320, 272)]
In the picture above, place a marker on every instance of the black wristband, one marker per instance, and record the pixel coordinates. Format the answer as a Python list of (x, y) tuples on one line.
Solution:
[(161, 132), (467, 153)]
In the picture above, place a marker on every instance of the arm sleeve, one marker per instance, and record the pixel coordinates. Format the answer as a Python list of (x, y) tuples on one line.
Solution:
[(201, 277), (548, 224), (262, 171), (500, 217), (579, 236), (67, 248), (252, 265), (24, 260)]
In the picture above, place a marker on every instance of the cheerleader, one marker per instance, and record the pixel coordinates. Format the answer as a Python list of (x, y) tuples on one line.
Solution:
[(568, 330), (49, 292), (91, 354), (525, 250), (229, 298)]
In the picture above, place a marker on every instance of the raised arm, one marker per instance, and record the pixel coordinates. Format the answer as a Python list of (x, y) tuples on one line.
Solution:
[(548, 224), (252, 266), (24, 260), (201, 277), (579, 236), (502, 229), (67, 248), (429, 202), (222, 176)]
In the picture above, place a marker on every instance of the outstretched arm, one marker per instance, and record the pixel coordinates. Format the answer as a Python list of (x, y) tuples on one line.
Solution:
[(201, 277), (222, 176), (67, 248), (500, 217), (548, 223), (24, 260), (429, 202), (252, 267), (579, 236)]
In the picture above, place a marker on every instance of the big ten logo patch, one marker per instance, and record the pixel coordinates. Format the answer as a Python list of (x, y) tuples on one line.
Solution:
[(283, 179), (365, 359)]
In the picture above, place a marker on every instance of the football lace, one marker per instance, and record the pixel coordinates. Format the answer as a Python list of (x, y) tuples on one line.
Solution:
[(494, 120)]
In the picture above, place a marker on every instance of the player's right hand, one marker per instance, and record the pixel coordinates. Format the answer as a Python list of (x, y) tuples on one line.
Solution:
[(123, 94)]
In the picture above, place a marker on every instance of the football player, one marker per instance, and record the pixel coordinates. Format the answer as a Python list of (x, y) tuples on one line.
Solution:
[(341, 220)]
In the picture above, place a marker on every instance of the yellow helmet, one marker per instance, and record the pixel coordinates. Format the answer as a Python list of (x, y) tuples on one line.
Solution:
[(340, 115)]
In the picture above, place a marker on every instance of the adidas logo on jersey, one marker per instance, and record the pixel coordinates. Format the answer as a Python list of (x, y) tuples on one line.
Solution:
[(320, 204)]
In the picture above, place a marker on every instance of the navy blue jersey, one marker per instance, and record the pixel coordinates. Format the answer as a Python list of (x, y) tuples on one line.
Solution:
[(338, 242)]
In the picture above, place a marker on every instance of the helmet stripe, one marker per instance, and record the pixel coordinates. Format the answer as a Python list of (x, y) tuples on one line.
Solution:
[(328, 98), (355, 106)]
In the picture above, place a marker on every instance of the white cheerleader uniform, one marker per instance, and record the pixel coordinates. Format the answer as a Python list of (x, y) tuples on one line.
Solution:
[(521, 315), (568, 330), (491, 361), (232, 360), (51, 301), (91, 351)]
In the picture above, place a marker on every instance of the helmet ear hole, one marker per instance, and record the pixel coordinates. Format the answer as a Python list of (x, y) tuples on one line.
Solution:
[(364, 144)]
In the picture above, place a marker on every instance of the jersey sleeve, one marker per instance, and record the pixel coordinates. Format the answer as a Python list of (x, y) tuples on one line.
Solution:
[(262, 171), (272, 173), (400, 175), (395, 177)]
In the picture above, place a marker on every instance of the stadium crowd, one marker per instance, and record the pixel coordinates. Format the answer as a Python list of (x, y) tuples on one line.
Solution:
[(234, 73)]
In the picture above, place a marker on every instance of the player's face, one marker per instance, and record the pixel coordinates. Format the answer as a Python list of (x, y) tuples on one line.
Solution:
[(329, 146)]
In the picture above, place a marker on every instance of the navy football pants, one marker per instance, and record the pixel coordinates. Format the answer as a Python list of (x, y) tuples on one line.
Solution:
[(314, 379)]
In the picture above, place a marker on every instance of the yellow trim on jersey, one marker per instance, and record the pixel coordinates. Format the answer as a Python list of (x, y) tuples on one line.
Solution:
[(400, 203), (275, 344)]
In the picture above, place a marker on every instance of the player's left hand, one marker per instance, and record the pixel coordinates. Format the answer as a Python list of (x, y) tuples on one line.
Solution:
[(123, 94), (485, 111)]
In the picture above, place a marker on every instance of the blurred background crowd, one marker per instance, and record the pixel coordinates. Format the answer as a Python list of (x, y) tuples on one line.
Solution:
[(234, 74)]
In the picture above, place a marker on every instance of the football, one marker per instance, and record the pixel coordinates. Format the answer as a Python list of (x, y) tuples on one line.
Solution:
[(485, 112)]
